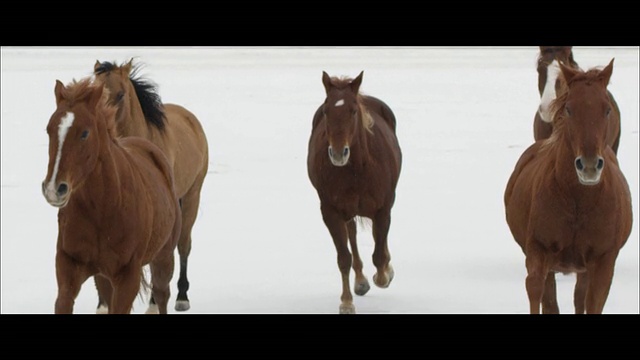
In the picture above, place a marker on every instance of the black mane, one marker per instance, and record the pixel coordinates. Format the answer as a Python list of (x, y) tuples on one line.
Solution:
[(147, 92)]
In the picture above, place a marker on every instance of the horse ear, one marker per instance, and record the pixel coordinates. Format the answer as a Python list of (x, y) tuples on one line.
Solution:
[(127, 67), (58, 91), (605, 74), (96, 66), (326, 81), (355, 84), (567, 72)]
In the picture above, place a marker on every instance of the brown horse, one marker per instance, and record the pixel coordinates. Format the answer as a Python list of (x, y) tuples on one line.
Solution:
[(550, 85), (354, 162), (118, 206), (180, 136), (567, 203)]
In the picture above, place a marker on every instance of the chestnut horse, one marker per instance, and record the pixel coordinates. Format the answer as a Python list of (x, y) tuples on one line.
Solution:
[(118, 209), (567, 202), (550, 86), (180, 136), (354, 162)]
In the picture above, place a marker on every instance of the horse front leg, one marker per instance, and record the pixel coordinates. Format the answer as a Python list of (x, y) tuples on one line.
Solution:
[(537, 272), (361, 286), (161, 274), (70, 276), (338, 230), (381, 257), (126, 285), (600, 276)]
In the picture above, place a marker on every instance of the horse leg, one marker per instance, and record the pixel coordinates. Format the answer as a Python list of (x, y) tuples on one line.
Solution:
[(338, 230), (549, 297), (361, 286), (189, 203), (381, 257), (126, 285), (600, 276), (70, 276), (103, 285), (537, 272), (161, 274), (580, 292)]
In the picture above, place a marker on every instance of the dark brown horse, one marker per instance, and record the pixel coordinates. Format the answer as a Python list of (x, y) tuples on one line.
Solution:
[(354, 163), (567, 202), (180, 136), (550, 85), (118, 206)]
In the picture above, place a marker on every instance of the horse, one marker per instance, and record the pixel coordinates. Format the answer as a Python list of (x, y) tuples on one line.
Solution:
[(567, 202), (177, 132), (550, 86), (354, 162), (118, 208)]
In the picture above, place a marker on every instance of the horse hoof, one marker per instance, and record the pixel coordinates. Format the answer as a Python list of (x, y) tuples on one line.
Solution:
[(385, 280), (361, 288), (102, 310), (182, 305), (347, 309)]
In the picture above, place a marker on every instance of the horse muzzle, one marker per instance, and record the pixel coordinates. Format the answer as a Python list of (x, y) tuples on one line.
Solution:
[(589, 170), (56, 196), (339, 158)]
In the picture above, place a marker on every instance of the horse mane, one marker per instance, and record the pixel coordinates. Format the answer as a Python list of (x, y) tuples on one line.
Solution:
[(146, 91), (572, 63), (79, 90), (365, 116), (559, 117)]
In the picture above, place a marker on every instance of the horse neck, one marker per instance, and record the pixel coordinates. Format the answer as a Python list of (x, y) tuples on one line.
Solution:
[(362, 142), (103, 184), (131, 120)]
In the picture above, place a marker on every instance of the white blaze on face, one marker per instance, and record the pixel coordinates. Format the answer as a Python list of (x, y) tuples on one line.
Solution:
[(63, 129), (339, 103), (549, 92)]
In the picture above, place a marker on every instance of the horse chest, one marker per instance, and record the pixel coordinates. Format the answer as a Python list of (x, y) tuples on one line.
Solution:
[(573, 229), (350, 193)]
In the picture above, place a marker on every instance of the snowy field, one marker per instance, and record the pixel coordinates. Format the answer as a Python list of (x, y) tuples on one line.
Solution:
[(259, 244)]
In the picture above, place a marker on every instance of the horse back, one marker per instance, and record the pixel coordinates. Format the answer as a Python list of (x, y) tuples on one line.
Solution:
[(379, 107)]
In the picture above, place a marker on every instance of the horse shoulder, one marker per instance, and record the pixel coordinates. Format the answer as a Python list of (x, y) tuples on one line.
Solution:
[(525, 159), (382, 109), (151, 153)]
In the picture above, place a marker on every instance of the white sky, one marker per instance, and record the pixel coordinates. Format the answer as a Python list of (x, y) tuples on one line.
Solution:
[(259, 245)]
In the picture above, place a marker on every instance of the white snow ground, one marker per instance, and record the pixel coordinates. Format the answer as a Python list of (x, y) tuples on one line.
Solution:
[(259, 245)]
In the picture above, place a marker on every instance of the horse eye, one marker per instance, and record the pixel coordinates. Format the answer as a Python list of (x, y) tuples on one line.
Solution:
[(566, 110), (120, 95), (608, 112), (85, 135)]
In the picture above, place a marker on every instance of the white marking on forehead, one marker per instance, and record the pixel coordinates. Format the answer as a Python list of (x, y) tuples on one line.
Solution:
[(549, 92), (65, 124), (339, 103)]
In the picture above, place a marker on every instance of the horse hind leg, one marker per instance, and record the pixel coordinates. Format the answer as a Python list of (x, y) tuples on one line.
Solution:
[(580, 292), (105, 290), (190, 204), (361, 285), (381, 257), (549, 296)]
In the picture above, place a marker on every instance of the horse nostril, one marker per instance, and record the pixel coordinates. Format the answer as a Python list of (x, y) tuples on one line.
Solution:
[(600, 164), (579, 164), (345, 152), (62, 189), (330, 151)]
